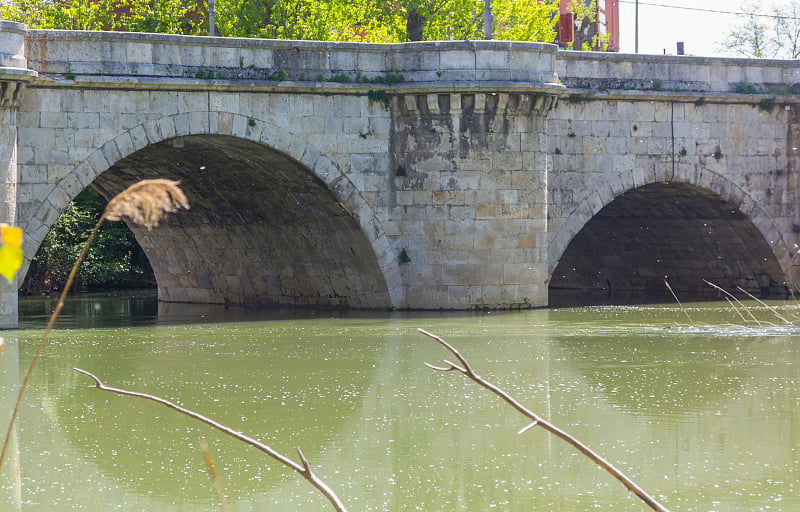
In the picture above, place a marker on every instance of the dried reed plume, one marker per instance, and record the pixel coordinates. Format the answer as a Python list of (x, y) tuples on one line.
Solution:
[(147, 202), (144, 203)]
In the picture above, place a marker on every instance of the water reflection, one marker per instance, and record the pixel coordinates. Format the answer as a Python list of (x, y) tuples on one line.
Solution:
[(701, 418)]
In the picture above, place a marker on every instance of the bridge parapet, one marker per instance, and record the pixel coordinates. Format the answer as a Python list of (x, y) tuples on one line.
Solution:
[(116, 54), (671, 73)]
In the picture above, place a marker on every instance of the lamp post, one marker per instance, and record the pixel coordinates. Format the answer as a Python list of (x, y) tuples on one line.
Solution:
[(211, 18), (487, 19), (637, 27)]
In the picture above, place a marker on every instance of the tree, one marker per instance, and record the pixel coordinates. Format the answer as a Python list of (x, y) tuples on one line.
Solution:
[(114, 260), (586, 35), (767, 33), (335, 20)]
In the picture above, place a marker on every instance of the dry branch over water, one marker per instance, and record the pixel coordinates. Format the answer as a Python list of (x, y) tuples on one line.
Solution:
[(145, 203), (303, 469), (538, 421)]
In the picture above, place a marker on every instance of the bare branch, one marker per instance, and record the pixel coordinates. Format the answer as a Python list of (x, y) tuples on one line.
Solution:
[(452, 349), (733, 297), (303, 470), (442, 368), (691, 322), (761, 302), (538, 421)]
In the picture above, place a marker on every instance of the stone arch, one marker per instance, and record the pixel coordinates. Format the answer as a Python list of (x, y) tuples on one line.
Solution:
[(290, 148), (727, 214)]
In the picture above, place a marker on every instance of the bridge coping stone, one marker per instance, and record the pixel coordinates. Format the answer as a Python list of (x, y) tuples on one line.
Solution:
[(143, 55)]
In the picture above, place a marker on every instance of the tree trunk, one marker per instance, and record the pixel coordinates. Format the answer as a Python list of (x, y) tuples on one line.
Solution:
[(414, 25)]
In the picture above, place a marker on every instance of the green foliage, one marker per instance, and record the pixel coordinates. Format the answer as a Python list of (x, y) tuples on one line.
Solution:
[(767, 32), (766, 105), (403, 258), (585, 14), (342, 78), (277, 76), (114, 259), (388, 79), (379, 96), (335, 20), (657, 85), (164, 16), (66, 14), (745, 88)]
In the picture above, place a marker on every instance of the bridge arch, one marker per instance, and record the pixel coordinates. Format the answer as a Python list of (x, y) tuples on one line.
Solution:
[(230, 248), (683, 228)]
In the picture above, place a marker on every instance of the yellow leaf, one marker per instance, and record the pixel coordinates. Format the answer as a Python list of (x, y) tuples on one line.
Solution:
[(11, 236), (10, 261)]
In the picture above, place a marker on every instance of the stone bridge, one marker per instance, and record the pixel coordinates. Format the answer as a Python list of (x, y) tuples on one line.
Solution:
[(433, 175)]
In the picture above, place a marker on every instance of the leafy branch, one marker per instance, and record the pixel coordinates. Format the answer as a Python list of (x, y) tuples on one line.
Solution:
[(303, 469), (538, 421)]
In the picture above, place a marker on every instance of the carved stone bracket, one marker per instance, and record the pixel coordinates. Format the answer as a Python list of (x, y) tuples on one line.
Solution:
[(521, 104), (14, 72), (11, 93)]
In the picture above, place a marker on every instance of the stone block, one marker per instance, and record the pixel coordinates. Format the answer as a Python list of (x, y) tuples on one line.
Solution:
[(372, 61), (457, 60), (181, 124), (166, 128), (199, 123), (459, 274)]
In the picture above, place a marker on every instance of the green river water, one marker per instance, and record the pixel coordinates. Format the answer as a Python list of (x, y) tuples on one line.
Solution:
[(701, 407)]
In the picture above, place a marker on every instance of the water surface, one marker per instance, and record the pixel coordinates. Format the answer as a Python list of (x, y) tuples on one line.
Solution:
[(701, 407)]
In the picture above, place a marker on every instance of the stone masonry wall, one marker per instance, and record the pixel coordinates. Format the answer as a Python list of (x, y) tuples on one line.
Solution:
[(103, 97), (468, 168), (604, 147), (470, 198), (68, 137)]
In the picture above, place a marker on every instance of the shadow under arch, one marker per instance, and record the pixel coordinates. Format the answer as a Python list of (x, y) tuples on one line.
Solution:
[(262, 230), (674, 231)]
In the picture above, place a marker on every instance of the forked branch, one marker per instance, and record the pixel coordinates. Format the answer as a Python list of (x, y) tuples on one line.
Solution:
[(303, 469), (537, 420)]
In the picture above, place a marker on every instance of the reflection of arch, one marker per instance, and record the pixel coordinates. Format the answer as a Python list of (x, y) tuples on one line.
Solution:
[(674, 230), (346, 221), (242, 381)]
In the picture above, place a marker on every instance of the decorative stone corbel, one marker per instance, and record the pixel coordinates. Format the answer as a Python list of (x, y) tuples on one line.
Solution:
[(14, 74)]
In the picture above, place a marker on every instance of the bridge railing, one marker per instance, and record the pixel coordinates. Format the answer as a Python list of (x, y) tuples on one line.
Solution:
[(614, 71), (78, 53)]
